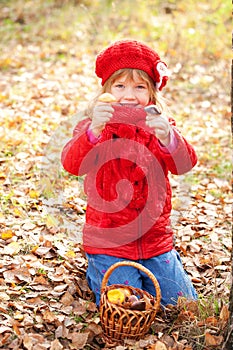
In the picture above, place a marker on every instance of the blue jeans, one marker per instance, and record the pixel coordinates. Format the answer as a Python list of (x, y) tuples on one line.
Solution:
[(167, 268)]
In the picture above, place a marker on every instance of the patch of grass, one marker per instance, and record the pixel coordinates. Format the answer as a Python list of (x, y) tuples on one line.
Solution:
[(192, 178), (223, 169), (208, 306), (41, 271), (194, 318)]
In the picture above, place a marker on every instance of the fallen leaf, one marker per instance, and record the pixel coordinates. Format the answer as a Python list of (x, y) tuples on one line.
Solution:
[(67, 299), (7, 234), (56, 345), (211, 320), (95, 328), (49, 316), (12, 248), (224, 313), (4, 296), (18, 316), (4, 329), (23, 274), (70, 254), (34, 194), (79, 340), (213, 340), (40, 250), (160, 346)]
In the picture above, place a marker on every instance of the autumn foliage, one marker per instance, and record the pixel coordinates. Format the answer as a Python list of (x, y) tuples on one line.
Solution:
[(47, 78)]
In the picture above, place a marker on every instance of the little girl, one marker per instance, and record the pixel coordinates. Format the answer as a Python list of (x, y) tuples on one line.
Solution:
[(126, 154)]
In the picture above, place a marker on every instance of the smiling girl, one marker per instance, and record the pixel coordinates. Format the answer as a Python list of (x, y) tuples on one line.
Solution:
[(126, 155)]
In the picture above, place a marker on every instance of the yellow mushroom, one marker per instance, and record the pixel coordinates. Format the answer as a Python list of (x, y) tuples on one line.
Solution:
[(116, 296), (106, 97)]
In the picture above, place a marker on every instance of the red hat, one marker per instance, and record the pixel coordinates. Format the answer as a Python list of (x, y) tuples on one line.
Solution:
[(131, 54)]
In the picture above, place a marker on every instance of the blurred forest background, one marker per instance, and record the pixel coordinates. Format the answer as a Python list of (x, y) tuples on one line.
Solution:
[(47, 59)]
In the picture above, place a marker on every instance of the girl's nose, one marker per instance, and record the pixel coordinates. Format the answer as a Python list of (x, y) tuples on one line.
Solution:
[(129, 94)]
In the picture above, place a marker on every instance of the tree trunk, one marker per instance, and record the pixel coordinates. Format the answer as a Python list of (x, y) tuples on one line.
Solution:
[(228, 345)]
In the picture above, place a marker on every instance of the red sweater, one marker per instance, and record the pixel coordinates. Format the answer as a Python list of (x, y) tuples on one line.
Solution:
[(127, 185)]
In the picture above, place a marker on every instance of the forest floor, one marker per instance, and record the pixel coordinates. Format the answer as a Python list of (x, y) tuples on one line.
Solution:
[(47, 78)]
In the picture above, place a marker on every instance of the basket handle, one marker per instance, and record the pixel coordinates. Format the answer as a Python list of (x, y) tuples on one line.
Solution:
[(139, 267)]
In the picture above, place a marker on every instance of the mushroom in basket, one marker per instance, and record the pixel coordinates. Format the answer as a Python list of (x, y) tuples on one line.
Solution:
[(124, 297)]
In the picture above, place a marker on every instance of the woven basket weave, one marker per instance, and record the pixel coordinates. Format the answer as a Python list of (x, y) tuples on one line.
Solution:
[(120, 323)]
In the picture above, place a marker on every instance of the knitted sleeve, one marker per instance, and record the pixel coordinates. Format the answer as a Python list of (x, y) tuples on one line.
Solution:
[(76, 157), (182, 159)]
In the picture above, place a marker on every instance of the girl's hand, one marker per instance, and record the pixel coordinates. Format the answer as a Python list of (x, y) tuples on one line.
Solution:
[(161, 127), (102, 113)]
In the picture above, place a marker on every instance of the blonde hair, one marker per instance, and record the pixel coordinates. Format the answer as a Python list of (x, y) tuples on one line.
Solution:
[(155, 95)]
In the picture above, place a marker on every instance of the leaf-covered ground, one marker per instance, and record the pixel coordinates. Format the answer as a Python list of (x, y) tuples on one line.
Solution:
[(47, 78)]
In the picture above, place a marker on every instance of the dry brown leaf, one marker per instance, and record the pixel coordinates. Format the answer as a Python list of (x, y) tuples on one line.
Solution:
[(160, 346), (211, 320), (12, 248), (60, 288), (40, 280), (4, 296), (213, 340), (196, 248), (59, 332), (28, 342), (31, 340), (95, 328), (41, 250), (56, 345), (28, 226), (16, 325), (79, 340), (9, 276), (4, 329), (49, 316), (35, 301), (175, 335), (91, 307), (40, 346), (224, 313), (23, 274), (186, 316), (79, 309), (67, 299)]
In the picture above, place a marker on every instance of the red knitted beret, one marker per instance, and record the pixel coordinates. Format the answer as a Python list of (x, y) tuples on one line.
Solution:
[(131, 54)]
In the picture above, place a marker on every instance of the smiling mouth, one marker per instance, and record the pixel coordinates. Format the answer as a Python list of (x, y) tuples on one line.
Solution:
[(127, 104)]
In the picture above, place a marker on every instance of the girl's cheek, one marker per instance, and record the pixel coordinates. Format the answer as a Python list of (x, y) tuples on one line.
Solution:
[(147, 102)]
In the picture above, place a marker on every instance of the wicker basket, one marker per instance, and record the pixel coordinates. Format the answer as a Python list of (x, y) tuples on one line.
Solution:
[(121, 323)]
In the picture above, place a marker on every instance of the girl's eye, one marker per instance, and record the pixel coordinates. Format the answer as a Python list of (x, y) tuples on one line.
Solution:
[(141, 87), (120, 86)]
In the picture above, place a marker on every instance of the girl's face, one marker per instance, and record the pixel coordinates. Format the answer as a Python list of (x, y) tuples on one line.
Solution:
[(133, 90)]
